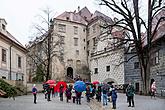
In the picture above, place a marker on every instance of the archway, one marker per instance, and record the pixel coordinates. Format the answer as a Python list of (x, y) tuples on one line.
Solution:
[(70, 72), (110, 81)]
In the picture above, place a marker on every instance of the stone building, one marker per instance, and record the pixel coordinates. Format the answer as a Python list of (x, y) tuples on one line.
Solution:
[(12, 57), (157, 61)]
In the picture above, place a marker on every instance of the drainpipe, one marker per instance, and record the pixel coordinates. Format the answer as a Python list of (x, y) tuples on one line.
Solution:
[(10, 62)]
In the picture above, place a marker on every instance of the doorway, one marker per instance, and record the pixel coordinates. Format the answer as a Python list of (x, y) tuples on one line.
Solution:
[(70, 72)]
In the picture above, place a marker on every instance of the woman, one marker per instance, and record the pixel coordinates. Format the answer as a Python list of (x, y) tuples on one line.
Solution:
[(68, 93), (153, 89)]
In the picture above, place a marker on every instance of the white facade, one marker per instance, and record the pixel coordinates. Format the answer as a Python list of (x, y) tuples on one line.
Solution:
[(106, 60), (10, 48)]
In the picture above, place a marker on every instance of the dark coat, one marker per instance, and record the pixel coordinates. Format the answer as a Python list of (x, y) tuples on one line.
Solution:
[(114, 95)]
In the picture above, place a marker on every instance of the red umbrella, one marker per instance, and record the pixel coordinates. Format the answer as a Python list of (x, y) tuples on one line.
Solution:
[(59, 84), (51, 82), (95, 82)]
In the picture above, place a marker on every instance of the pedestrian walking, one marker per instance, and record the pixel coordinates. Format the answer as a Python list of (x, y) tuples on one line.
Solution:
[(68, 93), (34, 91), (114, 97), (99, 94), (104, 96), (78, 97), (88, 93), (130, 94), (73, 95), (61, 92), (48, 93), (153, 89)]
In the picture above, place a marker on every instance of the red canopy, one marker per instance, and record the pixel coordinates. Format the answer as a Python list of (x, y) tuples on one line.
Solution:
[(95, 82), (59, 84), (51, 82)]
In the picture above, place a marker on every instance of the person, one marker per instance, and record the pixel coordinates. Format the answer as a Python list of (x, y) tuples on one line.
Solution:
[(48, 93), (153, 89), (99, 94), (52, 91), (34, 91), (130, 94), (104, 90), (78, 97), (68, 93), (73, 95), (45, 87), (88, 93), (61, 92), (114, 97)]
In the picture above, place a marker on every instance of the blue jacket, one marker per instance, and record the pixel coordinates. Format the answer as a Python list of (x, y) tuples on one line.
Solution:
[(114, 95), (34, 90)]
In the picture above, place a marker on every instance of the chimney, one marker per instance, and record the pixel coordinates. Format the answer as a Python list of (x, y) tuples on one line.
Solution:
[(78, 8)]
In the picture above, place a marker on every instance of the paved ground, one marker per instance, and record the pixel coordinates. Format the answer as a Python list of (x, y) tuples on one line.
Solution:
[(26, 103), (141, 103)]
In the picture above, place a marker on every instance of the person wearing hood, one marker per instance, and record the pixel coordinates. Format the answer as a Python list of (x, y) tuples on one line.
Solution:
[(34, 92)]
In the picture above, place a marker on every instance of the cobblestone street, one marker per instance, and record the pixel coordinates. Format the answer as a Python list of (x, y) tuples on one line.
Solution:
[(141, 103), (26, 103)]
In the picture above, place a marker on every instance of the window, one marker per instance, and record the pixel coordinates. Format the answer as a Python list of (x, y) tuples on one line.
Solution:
[(94, 41), (96, 71), (61, 28), (84, 48), (77, 52), (155, 58), (75, 30), (78, 63), (3, 55), (84, 40), (75, 41), (107, 68), (94, 28), (88, 52), (62, 39), (3, 77), (88, 43), (19, 61), (3, 27), (136, 65)]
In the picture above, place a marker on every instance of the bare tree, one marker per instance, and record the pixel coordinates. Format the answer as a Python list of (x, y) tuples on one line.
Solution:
[(132, 23), (44, 46)]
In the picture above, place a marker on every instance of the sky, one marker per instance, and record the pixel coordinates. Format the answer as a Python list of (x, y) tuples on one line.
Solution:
[(20, 15)]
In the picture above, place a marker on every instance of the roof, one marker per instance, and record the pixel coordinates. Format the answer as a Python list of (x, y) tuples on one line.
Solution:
[(13, 39), (73, 17), (160, 30), (85, 13), (84, 16), (98, 14), (15, 42)]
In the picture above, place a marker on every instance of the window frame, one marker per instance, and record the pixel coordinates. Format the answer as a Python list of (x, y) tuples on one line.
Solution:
[(62, 28), (4, 55), (108, 68), (75, 41), (95, 70), (19, 61), (136, 65), (75, 30)]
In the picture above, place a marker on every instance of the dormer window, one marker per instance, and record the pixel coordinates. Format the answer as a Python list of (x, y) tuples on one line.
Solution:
[(3, 27)]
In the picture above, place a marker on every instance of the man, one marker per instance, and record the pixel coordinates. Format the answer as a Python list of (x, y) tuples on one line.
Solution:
[(130, 94), (34, 91)]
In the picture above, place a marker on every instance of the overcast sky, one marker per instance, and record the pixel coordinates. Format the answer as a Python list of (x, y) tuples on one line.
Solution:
[(20, 14)]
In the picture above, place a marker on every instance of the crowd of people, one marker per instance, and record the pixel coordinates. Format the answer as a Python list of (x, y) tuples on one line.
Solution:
[(101, 92)]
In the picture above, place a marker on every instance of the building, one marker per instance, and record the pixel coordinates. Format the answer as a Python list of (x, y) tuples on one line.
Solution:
[(71, 27), (12, 57)]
